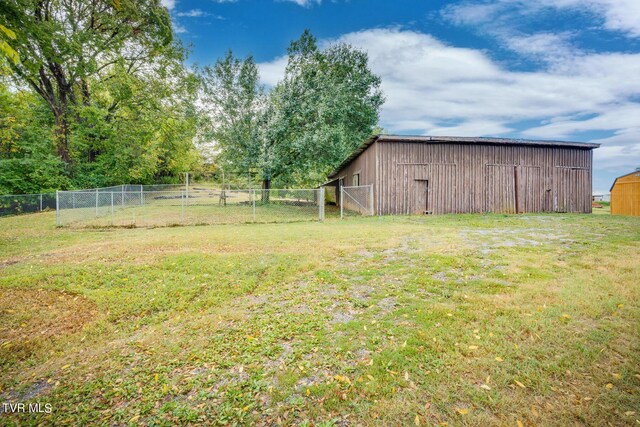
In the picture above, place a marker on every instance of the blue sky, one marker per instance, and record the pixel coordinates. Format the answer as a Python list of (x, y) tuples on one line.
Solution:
[(548, 69)]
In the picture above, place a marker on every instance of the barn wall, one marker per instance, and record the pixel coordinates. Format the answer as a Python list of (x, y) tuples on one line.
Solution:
[(365, 165), (625, 195), (479, 178)]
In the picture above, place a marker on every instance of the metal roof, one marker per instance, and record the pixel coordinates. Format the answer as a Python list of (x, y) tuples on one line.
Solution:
[(459, 140)]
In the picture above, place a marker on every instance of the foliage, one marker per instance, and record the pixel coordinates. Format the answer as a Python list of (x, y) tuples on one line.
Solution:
[(120, 101), (5, 48), (27, 161), (62, 44), (234, 100), (327, 103)]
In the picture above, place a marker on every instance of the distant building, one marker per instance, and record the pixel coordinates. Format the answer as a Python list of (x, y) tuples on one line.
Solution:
[(601, 197), (625, 194), (439, 175)]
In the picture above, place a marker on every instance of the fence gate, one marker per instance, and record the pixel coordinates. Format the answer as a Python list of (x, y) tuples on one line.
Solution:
[(357, 200)]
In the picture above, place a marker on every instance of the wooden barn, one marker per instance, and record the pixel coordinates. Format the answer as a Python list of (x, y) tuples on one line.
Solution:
[(625, 194), (439, 175)]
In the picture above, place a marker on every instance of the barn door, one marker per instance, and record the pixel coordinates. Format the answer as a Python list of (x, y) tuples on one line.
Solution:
[(572, 188), (530, 189), (500, 189), (420, 201), (429, 188)]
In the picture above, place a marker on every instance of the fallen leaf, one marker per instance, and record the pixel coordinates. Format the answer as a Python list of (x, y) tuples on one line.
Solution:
[(462, 411), (486, 387), (473, 347), (519, 423), (609, 386), (499, 359), (630, 413), (534, 411), (520, 384), (416, 421)]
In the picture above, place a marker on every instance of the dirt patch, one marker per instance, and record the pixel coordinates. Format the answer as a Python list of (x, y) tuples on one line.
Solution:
[(30, 316)]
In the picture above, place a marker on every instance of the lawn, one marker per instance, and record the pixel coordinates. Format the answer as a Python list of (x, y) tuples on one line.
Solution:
[(458, 320)]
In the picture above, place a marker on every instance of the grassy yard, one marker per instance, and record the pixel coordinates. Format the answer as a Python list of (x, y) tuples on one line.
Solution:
[(459, 320)]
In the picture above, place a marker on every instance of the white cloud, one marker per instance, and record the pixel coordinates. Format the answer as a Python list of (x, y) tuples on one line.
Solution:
[(435, 88), (616, 15), (304, 3), (273, 71), (193, 13), (179, 28), (169, 4)]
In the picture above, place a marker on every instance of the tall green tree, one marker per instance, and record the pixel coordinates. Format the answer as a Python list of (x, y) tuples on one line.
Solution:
[(326, 105), (235, 100), (28, 163), (65, 46)]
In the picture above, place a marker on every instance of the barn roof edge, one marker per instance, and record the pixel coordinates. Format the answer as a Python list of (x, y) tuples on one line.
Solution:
[(459, 139)]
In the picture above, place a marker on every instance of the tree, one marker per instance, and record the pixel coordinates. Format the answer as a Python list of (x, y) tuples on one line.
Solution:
[(235, 102), (326, 105), (65, 46), (27, 160)]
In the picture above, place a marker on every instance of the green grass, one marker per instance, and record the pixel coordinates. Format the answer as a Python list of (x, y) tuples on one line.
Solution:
[(465, 320)]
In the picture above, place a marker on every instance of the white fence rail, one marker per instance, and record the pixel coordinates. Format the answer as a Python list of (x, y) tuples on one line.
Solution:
[(146, 206)]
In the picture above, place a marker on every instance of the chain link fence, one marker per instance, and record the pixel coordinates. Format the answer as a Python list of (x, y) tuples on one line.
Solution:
[(15, 204), (356, 200), (149, 206)]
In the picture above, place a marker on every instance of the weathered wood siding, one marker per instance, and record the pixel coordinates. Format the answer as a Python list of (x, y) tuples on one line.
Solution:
[(456, 177), (625, 195), (365, 165)]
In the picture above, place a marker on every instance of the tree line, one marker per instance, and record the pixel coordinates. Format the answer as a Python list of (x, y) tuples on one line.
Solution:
[(98, 93)]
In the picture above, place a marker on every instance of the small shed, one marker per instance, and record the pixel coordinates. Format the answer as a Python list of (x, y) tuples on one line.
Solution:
[(439, 174), (625, 194)]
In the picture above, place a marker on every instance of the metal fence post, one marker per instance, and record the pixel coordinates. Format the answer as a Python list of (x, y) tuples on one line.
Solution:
[(371, 198), (341, 202), (141, 196), (112, 208), (321, 203), (122, 195), (96, 202), (182, 204), (57, 209), (187, 188), (254, 205), (41, 202)]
